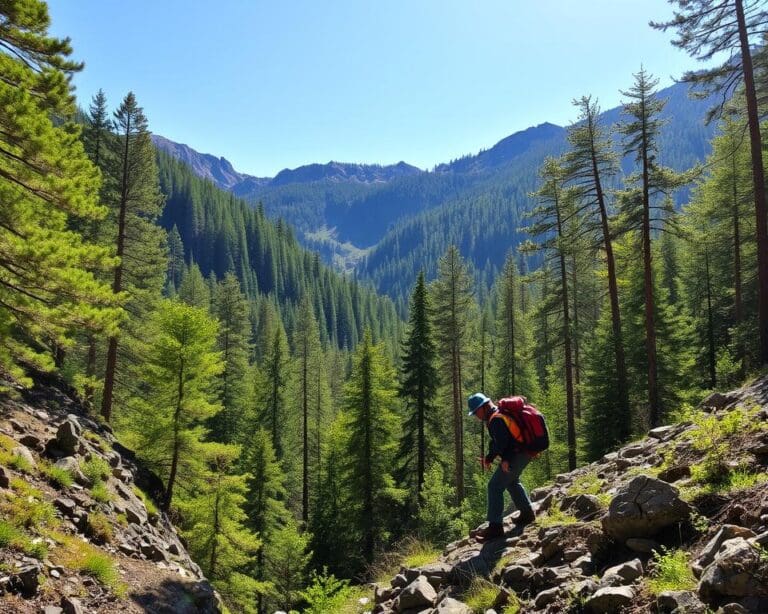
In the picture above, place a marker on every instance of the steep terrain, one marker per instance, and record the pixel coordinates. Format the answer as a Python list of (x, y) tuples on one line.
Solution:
[(675, 522), (77, 531)]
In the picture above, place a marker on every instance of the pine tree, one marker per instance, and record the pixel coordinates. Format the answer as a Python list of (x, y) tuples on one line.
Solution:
[(216, 531), (140, 244), (275, 371), (588, 165), (370, 420), (47, 187), (231, 310), (306, 343), (193, 290), (418, 389), (451, 300), (286, 564), (705, 29), (179, 372), (266, 491), (175, 261), (647, 205), (550, 218)]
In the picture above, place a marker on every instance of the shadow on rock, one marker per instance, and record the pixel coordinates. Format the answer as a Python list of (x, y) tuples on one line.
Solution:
[(177, 597)]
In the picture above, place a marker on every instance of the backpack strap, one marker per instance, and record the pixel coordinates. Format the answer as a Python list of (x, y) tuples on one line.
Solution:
[(511, 423)]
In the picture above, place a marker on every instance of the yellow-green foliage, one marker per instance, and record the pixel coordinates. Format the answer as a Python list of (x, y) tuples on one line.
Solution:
[(420, 554), (96, 469), (555, 517), (13, 537), (672, 572), (76, 554), (12, 460), (480, 596), (95, 439), (148, 503), (100, 528), (101, 493), (25, 506), (57, 476), (590, 484)]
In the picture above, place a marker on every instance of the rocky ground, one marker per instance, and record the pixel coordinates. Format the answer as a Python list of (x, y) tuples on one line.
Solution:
[(77, 534), (676, 522)]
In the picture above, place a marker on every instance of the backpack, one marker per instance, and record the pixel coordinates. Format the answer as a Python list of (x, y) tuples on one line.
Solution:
[(529, 427)]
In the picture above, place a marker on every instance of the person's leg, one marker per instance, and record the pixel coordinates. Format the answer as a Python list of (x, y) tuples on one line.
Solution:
[(496, 487), (520, 498)]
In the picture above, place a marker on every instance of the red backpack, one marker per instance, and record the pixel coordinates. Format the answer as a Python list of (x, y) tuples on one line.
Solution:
[(534, 436)]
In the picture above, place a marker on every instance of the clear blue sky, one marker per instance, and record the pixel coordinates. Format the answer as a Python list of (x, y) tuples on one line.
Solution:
[(278, 84)]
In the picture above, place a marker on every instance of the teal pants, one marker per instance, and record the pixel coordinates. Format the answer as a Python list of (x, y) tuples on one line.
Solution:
[(509, 481)]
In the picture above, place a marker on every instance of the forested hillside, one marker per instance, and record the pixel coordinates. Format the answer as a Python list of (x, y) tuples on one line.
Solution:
[(299, 434)]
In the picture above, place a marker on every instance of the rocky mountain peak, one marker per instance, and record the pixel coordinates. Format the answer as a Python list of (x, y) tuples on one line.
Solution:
[(79, 531), (675, 522)]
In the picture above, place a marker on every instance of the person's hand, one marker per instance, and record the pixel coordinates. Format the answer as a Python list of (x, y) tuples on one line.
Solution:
[(485, 463), (505, 466)]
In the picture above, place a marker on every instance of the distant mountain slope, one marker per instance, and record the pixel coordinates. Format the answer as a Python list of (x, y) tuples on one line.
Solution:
[(348, 211)]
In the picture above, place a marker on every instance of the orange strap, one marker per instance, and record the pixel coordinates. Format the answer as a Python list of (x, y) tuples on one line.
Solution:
[(514, 430)]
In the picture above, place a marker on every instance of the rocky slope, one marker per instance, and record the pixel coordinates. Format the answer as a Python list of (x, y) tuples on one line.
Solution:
[(77, 531), (676, 522)]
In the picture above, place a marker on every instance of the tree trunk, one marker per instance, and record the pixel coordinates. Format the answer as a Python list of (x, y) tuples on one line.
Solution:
[(710, 325), (758, 177), (117, 285), (737, 309), (576, 349), (176, 443), (654, 408)]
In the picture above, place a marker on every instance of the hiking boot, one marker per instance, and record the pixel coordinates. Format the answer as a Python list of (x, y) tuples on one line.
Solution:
[(525, 517), (494, 530)]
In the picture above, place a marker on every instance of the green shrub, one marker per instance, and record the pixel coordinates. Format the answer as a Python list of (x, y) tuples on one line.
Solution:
[(96, 469), (671, 572), (99, 528), (481, 595), (325, 593), (555, 517), (57, 476), (101, 493)]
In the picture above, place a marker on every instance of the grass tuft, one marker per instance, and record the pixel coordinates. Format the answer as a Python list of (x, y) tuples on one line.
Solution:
[(99, 528), (555, 517), (672, 572), (96, 469), (79, 555), (480, 596), (57, 476), (101, 493), (148, 503)]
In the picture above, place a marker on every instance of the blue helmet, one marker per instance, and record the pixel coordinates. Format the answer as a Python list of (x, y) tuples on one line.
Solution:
[(476, 401)]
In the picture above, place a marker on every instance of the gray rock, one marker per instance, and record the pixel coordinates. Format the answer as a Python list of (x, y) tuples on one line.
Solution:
[(399, 581), (641, 545), (717, 401), (673, 474), (52, 609), (643, 508), (735, 572), (32, 441), (583, 588), (609, 600), (382, 594), (583, 564), (632, 451), (517, 577), (662, 433), (5, 478), (70, 605), (726, 532), (68, 436), (418, 594), (760, 540), (581, 506), (628, 571), (452, 606), (27, 580), (23, 452), (734, 608), (66, 505), (544, 598), (680, 601)]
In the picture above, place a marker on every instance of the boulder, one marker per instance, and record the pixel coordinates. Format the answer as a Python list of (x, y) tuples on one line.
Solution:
[(632, 451), (32, 441), (27, 580), (545, 598), (643, 508), (418, 594), (66, 505), (610, 599), (662, 433), (517, 577), (68, 436), (717, 401), (642, 545), (452, 606), (680, 601), (399, 581), (735, 572), (726, 532), (628, 572)]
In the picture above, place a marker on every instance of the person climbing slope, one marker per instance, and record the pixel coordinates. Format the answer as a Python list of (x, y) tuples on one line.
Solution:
[(515, 440)]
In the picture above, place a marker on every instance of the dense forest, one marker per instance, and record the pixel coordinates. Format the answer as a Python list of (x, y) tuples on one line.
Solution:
[(299, 427)]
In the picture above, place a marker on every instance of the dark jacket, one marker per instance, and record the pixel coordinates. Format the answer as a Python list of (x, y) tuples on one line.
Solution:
[(502, 444)]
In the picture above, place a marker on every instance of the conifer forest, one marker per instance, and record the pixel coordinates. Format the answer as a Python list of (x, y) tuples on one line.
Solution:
[(305, 418)]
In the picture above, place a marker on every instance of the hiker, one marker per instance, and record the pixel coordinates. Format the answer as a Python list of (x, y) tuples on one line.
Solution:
[(505, 436)]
